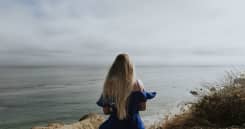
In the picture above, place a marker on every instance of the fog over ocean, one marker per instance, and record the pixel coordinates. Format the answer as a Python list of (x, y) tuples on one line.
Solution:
[(54, 54)]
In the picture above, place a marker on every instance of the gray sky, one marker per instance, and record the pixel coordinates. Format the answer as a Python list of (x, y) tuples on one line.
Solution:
[(94, 31)]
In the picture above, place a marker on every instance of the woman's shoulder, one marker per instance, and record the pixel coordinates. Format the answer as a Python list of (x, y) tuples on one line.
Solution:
[(138, 86)]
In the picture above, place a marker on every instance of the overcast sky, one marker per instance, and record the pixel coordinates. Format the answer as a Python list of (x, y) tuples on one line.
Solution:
[(95, 31)]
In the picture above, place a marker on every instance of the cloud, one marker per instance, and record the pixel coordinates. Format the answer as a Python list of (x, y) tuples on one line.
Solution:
[(80, 31)]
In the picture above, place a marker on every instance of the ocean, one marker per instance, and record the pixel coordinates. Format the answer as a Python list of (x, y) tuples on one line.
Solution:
[(38, 95)]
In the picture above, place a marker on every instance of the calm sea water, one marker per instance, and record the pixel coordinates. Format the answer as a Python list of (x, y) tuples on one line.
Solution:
[(38, 95)]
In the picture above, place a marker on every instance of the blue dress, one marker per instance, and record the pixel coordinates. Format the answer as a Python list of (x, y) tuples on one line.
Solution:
[(133, 121)]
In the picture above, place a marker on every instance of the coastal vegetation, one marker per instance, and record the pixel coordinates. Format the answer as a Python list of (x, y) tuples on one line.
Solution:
[(218, 105)]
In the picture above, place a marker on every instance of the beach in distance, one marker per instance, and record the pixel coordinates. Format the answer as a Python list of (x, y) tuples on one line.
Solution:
[(37, 95)]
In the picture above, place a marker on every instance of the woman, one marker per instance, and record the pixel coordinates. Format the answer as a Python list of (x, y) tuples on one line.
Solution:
[(123, 96)]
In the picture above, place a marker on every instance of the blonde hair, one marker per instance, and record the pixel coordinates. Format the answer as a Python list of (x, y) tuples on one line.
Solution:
[(119, 84)]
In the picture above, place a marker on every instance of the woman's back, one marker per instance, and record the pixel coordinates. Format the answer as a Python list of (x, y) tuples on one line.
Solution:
[(133, 120)]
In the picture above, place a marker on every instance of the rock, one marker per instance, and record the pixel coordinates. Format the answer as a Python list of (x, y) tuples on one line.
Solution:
[(89, 121), (195, 93), (55, 125), (90, 116)]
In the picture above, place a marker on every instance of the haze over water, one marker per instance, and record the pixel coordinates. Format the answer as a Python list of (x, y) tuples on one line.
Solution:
[(54, 54)]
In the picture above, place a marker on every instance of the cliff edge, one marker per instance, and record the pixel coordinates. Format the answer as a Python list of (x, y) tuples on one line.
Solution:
[(89, 121)]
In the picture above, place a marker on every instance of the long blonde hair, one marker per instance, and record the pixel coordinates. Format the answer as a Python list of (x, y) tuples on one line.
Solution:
[(119, 84)]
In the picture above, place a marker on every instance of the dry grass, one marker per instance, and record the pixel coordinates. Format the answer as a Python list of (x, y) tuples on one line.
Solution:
[(219, 105)]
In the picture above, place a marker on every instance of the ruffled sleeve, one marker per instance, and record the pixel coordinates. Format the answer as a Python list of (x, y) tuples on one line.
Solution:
[(144, 95), (101, 102)]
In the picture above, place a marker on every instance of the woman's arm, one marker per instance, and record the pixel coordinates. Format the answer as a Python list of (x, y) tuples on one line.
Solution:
[(139, 86), (142, 106), (106, 110), (101, 102)]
